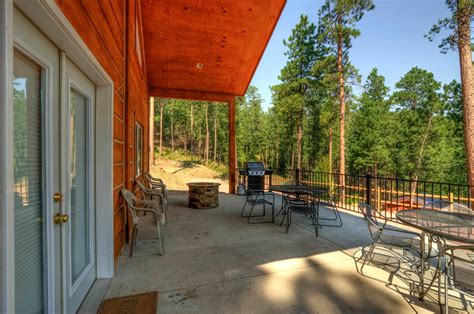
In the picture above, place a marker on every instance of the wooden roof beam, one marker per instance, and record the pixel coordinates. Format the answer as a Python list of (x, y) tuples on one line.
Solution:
[(189, 94)]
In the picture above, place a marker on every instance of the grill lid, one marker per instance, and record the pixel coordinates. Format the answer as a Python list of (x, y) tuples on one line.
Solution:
[(254, 168)]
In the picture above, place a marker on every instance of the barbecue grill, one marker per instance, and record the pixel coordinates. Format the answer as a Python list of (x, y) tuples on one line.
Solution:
[(253, 174)]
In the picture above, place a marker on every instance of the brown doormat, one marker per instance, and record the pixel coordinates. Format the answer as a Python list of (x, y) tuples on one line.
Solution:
[(143, 303)]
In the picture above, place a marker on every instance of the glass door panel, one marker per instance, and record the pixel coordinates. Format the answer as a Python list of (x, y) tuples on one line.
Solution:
[(29, 205), (80, 268), (79, 176)]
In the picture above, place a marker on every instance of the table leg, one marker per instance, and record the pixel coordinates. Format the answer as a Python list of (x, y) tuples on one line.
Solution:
[(422, 270), (316, 225), (424, 259)]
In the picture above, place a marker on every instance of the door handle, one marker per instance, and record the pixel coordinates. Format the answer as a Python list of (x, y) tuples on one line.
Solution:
[(60, 218), (57, 197)]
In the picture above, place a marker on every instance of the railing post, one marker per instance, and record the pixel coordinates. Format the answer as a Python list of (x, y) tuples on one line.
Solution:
[(451, 201), (367, 188), (379, 197)]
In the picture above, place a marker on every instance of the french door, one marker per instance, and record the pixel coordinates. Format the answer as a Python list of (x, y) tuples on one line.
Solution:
[(78, 239), (53, 118)]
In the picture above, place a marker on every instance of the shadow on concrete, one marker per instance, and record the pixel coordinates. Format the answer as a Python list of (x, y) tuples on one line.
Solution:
[(216, 262)]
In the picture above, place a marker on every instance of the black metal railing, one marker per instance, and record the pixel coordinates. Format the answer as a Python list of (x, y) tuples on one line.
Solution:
[(389, 195)]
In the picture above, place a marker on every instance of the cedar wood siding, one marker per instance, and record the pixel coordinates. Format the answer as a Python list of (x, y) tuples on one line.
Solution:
[(104, 26)]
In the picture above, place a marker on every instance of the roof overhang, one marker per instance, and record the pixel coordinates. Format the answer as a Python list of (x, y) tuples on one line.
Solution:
[(205, 50)]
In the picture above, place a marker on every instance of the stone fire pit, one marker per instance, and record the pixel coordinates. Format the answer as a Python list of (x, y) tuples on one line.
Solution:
[(203, 195)]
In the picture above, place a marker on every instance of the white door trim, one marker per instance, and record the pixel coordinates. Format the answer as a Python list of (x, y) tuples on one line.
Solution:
[(49, 18), (7, 257)]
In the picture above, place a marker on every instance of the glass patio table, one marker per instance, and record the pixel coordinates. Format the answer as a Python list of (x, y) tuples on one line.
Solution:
[(287, 190), (438, 226)]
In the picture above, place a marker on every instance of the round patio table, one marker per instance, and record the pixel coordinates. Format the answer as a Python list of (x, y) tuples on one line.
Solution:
[(452, 226), (295, 189)]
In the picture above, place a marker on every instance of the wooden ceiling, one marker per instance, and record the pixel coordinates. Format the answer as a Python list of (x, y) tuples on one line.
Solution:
[(205, 49)]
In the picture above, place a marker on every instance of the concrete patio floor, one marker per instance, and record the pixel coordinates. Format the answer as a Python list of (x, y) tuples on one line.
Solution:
[(215, 262)]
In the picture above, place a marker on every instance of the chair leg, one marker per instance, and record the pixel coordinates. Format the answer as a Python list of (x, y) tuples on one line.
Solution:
[(133, 239), (446, 294), (164, 208), (160, 240), (316, 220), (273, 209), (288, 218), (371, 250), (337, 217), (283, 204), (250, 214), (243, 208), (283, 219), (284, 211), (264, 203)]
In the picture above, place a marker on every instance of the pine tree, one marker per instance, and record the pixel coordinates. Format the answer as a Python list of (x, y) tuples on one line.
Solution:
[(336, 28), (460, 38), (370, 134), (291, 95), (417, 102)]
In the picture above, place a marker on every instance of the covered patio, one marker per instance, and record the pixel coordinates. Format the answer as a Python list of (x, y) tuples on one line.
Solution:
[(215, 262)]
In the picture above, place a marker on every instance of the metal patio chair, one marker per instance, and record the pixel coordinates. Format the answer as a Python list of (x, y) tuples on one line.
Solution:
[(334, 198), (290, 203), (386, 237), (135, 206), (258, 197), (157, 196)]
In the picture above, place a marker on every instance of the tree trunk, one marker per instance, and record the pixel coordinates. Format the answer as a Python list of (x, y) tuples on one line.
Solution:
[(192, 129), (215, 135), (330, 159), (467, 83), (200, 143), (185, 144), (299, 136), (292, 158), (161, 126), (416, 175), (151, 160), (342, 111), (330, 150), (172, 130), (206, 147)]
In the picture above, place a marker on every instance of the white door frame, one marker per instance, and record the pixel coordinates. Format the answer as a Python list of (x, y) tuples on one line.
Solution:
[(49, 18), (7, 257)]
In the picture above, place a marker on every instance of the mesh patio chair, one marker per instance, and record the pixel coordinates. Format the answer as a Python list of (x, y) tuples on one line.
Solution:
[(135, 206), (334, 199), (386, 237), (290, 203), (257, 197), (157, 184), (150, 194), (457, 266)]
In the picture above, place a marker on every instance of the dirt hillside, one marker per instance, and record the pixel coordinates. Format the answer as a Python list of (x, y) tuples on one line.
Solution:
[(176, 174)]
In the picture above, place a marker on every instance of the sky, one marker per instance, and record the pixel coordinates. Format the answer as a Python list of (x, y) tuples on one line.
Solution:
[(391, 39)]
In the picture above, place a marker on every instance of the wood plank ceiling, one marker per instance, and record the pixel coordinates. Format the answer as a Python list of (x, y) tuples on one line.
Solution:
[(205, 49)]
